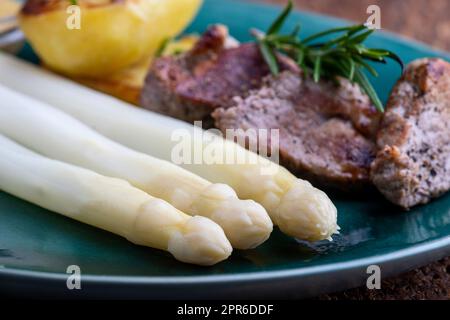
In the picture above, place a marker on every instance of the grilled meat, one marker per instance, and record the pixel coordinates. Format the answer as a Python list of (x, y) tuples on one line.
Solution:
[(190, 86), (413, 162), (326, 129)]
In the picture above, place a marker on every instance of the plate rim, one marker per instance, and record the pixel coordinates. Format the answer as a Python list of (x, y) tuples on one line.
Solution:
[(382, 33), (431, 246), (414, 251)]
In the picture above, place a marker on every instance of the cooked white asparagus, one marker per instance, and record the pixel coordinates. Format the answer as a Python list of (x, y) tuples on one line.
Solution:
[(110, 204), (298, 208), (59, 136)]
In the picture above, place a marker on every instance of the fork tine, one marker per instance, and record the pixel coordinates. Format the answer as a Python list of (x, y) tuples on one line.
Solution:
[(8, 19), (8, 24), (12, 41)]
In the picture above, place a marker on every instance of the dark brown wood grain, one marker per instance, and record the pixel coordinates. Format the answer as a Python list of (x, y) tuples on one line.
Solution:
[(427, 21), (431, 282)]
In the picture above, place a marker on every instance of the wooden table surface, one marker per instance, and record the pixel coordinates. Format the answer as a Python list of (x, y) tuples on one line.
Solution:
[(424, 20), (427, 21)]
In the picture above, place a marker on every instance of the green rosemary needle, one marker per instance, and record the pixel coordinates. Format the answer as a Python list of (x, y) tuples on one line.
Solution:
[(345, 55)]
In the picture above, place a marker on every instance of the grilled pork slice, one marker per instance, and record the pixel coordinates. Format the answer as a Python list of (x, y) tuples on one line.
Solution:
[(413, 164), (190, 86), (326, 129)]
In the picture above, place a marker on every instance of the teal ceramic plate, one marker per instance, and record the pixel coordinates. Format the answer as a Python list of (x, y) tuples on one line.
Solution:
[(37, 246)]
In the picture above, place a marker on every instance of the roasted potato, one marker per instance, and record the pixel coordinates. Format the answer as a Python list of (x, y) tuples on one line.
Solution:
[(113, 34)]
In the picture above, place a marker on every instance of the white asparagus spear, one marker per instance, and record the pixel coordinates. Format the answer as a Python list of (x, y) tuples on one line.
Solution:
[(59, 136), (110, 204), (299, 209)]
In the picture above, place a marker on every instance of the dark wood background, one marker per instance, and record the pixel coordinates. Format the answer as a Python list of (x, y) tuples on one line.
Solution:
[(424, 20), (427, 21)]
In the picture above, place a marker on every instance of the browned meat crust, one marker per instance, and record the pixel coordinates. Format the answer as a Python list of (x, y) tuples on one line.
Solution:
[(413, 164), (325, 128), (189, 87)]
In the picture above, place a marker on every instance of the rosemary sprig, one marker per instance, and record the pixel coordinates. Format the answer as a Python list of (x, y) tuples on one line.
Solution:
[(344, 55)]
